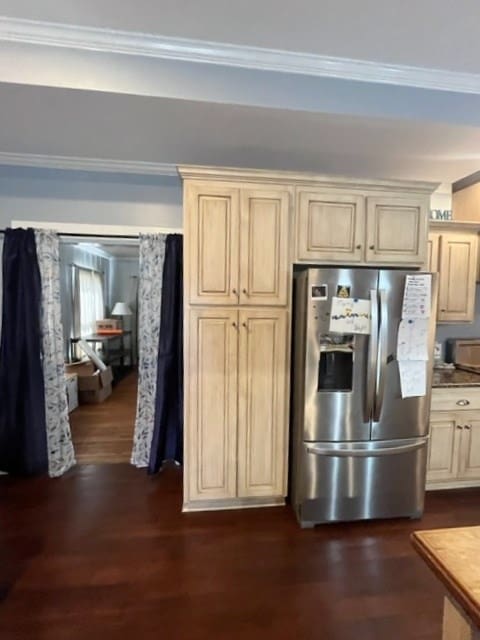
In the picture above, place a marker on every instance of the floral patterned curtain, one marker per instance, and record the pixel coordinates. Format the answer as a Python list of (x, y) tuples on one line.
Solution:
[(60, 448), (152, 257)]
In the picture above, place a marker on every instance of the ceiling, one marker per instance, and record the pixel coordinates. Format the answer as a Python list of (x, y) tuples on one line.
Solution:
[(424, 33), (88, 103)]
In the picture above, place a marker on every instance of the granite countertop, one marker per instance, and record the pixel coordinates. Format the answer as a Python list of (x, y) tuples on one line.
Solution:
[(455, 378), (452, 554)]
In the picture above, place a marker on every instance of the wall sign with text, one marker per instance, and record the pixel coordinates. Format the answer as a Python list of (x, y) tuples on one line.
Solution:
[(441, 214)]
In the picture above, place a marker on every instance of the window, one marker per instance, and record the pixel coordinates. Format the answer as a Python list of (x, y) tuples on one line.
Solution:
[(91, 306)]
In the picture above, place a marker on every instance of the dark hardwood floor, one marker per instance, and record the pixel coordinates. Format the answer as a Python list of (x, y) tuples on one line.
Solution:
[(103, 433), (105, 553)]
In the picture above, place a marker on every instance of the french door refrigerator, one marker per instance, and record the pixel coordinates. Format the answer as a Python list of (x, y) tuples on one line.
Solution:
[(359, 448)]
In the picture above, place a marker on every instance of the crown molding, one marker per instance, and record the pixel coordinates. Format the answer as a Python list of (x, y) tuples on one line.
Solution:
[(100, 165), (232, 174), (201, 51)]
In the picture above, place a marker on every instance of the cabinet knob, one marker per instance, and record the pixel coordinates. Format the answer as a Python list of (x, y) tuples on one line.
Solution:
[(459, 426), (443, 310), (463, 403), (359, 246), (234, 291), (468, 426), (372, 247), (234, 325), (245, 292), (244, 324)]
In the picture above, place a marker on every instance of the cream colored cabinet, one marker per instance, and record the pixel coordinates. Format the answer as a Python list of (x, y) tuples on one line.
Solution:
[(264, 238), (397, 230), (330, 226), (442, 462), (343, 228), (454, 447), (237, 413), (454, 256), (433, 249), (469, 467), (262, 406), (237, 244), (212, 214), (211, 394)]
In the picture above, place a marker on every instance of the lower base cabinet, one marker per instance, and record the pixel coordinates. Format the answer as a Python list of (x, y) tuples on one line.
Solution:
[(454, 450), (236, 417)]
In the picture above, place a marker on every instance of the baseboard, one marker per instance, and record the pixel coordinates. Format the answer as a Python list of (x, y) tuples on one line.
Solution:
[(456, 484), (232, 503)]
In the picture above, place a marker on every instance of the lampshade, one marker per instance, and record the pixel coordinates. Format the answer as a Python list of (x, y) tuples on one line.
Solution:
[(121, 309)]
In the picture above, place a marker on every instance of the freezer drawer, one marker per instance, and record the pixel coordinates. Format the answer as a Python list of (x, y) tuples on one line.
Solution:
[(363, 480)]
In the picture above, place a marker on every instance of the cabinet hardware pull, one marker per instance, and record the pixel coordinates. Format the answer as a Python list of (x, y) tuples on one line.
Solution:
[(459, 426), (463, 403), (234, 291), (244, 324), (443, 310), (245, 292), (372, 247), (468, 426), (234, 325), (359, 246)]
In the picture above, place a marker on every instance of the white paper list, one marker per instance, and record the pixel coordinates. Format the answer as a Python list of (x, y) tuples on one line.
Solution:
[(417, 296), (413, 378), (412, 340), (350, 315)]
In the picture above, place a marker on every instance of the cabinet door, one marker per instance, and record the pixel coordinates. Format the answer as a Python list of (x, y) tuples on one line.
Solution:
[(264, 263), (262, 403), (433, 248), (445, 436), (397, 230), (212, 225), (456, 292), (330, 227), (469, 459), (211, 429)]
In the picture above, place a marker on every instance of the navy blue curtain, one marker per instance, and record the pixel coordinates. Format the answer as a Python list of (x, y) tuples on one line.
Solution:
[(167, 440), (23, 435)]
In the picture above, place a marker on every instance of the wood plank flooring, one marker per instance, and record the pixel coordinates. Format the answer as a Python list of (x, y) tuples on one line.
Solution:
[(103, 433), (105, 553)]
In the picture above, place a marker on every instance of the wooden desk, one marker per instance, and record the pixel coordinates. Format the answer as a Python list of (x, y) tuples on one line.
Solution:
[(113, 346), (454, 557)]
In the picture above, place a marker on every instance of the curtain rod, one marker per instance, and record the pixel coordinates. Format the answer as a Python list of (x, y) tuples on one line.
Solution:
[(102, 235)]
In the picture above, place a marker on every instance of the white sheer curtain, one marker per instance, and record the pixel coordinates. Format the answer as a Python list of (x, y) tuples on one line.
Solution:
[(90, 299)]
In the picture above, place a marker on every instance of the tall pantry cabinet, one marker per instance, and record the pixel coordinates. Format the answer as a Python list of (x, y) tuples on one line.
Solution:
[(237, 324)]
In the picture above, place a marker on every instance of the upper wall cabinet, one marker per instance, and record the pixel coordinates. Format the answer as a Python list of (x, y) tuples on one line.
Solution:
[(264, 255), (457, 266), (213, 213), (330, 226), (397, 230), (237, 245), (343, 228)]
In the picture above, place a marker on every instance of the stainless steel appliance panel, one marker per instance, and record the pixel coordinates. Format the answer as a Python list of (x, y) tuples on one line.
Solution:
[(338, 392), (393, 416), (356, 481)]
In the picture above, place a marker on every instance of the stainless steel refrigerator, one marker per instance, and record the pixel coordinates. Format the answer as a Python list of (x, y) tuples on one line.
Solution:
[(358, 449)]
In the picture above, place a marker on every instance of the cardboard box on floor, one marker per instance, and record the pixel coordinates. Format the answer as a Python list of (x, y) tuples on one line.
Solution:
[(94, 386)]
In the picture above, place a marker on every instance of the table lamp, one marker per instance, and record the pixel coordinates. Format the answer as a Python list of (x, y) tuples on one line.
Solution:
[(121, 309)]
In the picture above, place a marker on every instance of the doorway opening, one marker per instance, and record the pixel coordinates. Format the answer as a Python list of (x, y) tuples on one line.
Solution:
[(99, 300)]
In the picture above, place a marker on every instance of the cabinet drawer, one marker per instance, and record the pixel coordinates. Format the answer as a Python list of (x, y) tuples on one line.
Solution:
[(456, 399)]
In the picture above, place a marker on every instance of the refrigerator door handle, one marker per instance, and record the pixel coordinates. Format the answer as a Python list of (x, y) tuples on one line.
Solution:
[(382, 355), (372, 356), (367, 453)]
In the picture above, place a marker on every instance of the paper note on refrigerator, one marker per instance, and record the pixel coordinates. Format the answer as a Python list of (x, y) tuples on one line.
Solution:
[(412, 339), (413, 378), (350, 315), (417, 296)]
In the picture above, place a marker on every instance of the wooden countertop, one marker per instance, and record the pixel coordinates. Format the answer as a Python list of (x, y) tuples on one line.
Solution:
[(454, 557)]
